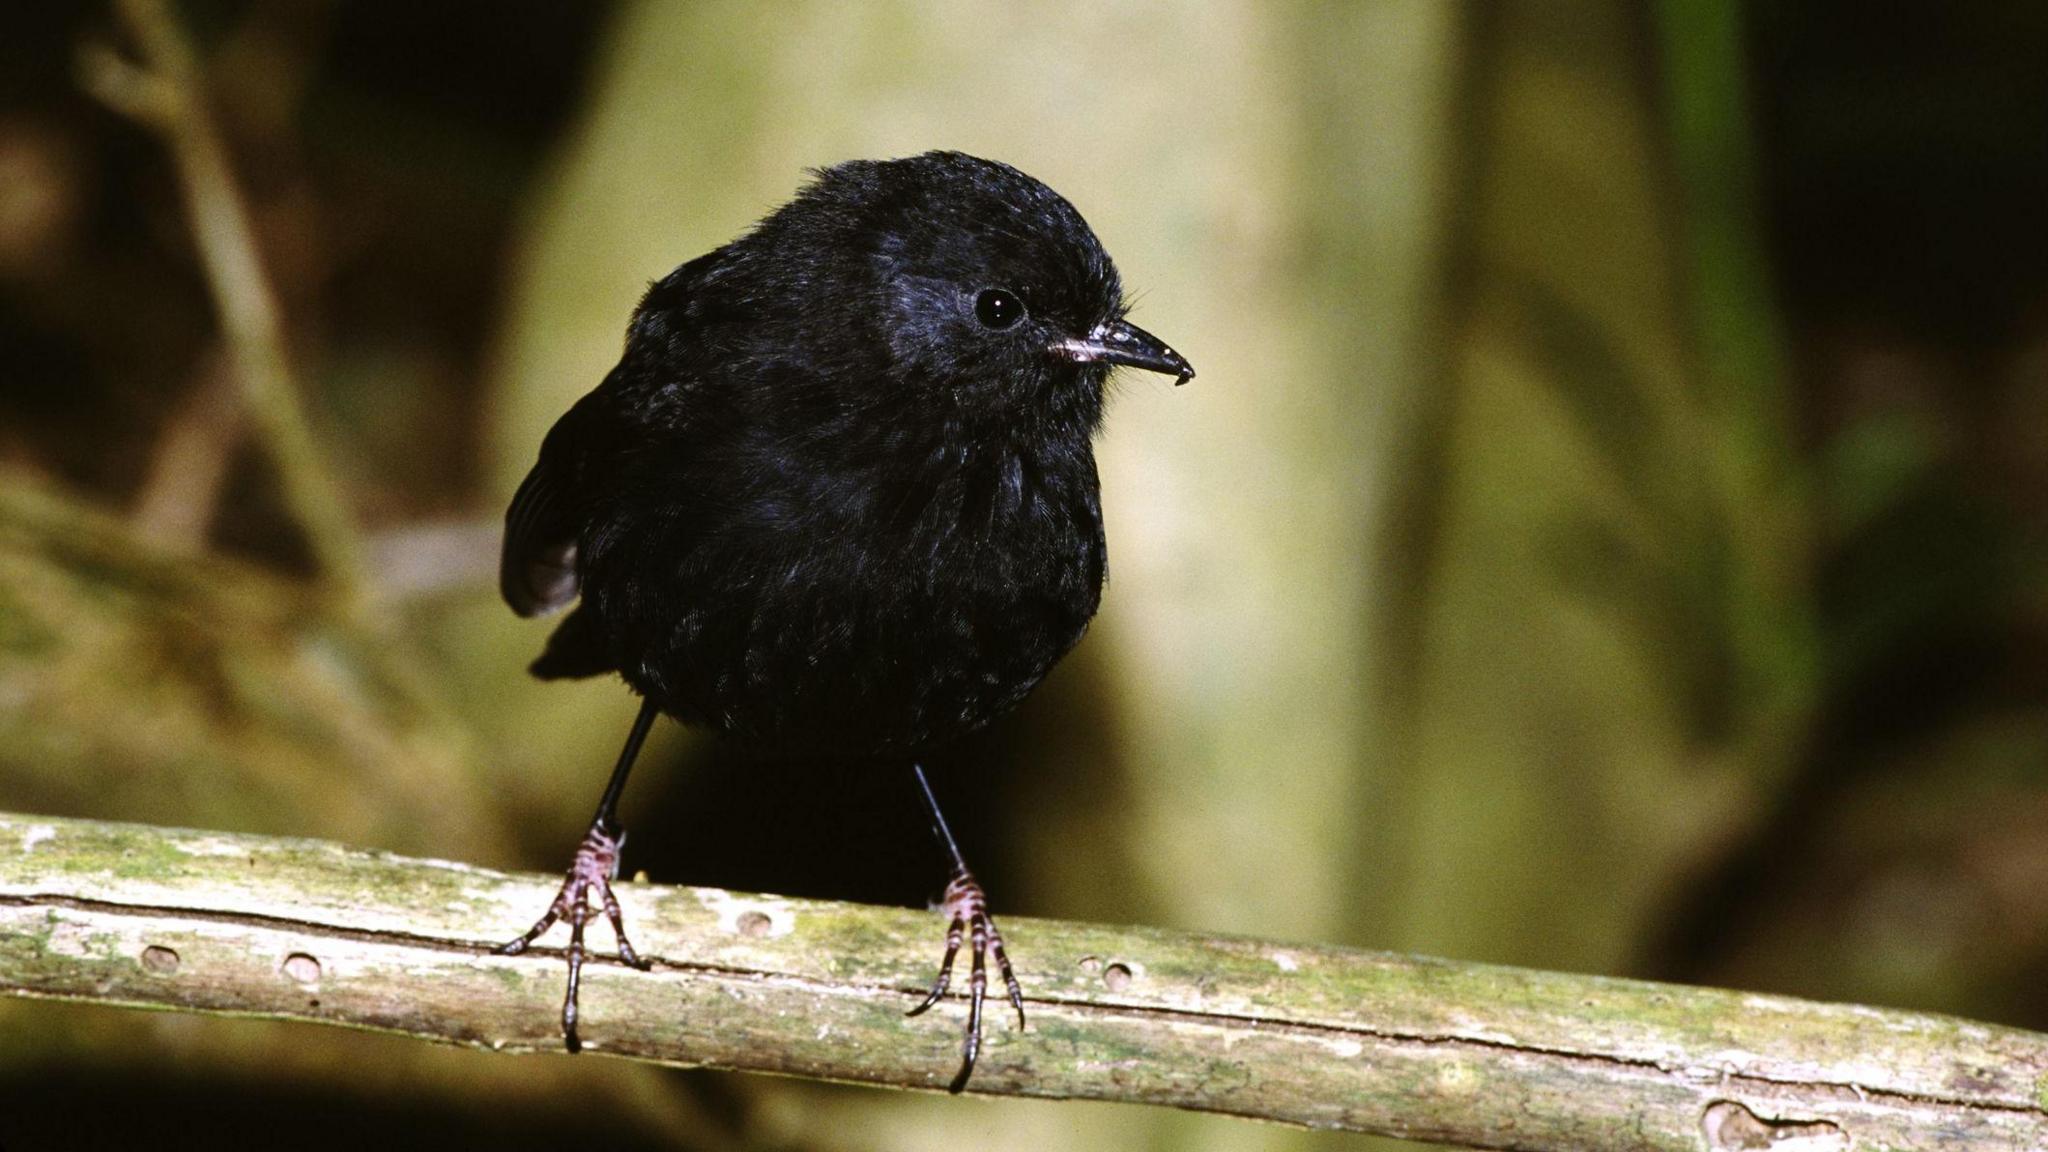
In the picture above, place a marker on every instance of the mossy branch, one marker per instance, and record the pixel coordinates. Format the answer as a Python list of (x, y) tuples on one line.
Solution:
[(1465, 1054)]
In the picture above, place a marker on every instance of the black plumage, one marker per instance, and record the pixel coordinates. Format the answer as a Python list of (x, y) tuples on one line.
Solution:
[(839, 495)]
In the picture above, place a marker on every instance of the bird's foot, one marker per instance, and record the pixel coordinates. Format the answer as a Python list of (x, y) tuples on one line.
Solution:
[(966, 909), (595, 865)]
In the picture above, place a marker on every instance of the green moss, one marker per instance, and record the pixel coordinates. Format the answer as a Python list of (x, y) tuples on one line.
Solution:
[(125, 851), (509, 977)]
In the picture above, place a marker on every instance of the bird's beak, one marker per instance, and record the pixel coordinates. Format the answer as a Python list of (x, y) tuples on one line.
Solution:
[(1118, 342)]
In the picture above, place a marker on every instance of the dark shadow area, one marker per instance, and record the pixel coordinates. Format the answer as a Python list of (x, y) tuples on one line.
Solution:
[(90, 1109)]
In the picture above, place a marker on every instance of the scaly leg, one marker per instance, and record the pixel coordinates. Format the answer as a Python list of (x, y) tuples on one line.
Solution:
[(966, 910), (594, 867)]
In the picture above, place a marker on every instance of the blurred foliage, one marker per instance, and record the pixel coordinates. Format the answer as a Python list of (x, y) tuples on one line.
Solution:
[(130, 696), (1573, 690), (1607, 533)]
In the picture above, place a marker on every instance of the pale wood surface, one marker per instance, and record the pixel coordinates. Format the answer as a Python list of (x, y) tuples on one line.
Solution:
[(1328, 1037)]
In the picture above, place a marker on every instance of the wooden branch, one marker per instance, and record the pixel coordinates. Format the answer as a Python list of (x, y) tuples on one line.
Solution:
[(1328, 1037), (166, 93)]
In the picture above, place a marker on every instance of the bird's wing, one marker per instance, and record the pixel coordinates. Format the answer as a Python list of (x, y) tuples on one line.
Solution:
[(602, 444), (537, 569)]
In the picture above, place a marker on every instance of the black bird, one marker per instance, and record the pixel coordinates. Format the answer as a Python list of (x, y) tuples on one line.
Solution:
[(838, 496)]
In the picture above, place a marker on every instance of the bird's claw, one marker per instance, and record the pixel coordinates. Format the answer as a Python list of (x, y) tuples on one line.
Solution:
[(595, 865), (966, 909)]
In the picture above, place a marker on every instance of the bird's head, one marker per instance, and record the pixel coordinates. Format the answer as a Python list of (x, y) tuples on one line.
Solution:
[(985, 286)]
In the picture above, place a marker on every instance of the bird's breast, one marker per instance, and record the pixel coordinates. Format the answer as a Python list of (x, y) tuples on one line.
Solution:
[(932, 611), (1002, 517)]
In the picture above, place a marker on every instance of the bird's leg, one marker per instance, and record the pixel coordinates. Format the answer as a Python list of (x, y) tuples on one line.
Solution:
[(966, 910), (592, 869)]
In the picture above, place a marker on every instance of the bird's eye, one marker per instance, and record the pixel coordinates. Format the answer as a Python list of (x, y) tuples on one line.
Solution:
[(998, 308)]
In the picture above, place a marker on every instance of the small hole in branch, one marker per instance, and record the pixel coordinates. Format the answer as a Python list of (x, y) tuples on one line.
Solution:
[(303, 968)]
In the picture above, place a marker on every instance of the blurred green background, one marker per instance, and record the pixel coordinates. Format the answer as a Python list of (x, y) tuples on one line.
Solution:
[(1607, 532)]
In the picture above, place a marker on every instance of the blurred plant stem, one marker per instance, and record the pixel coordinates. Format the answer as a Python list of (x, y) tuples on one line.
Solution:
[(1304, 1034), (191, 459), (166, 92), (1743, 385)]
